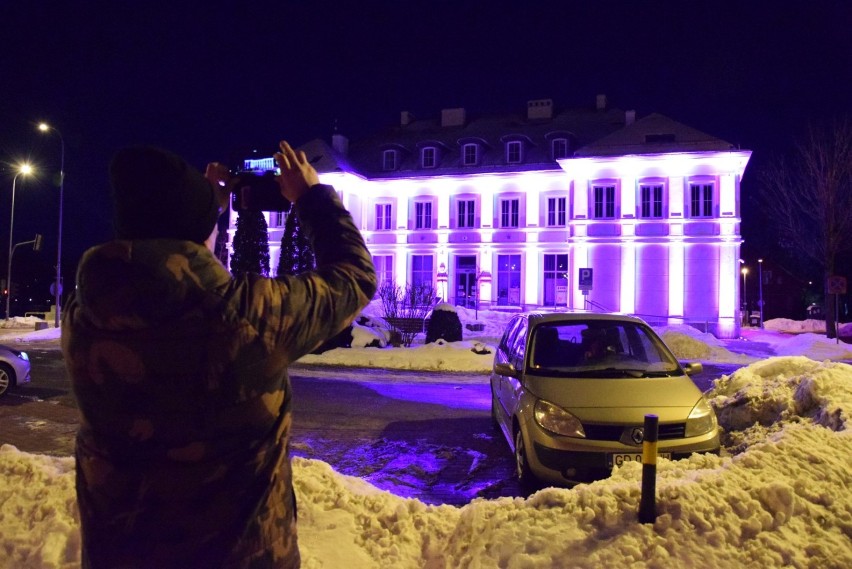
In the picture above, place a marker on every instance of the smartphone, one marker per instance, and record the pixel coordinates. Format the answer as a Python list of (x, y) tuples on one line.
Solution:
[(258, 191)]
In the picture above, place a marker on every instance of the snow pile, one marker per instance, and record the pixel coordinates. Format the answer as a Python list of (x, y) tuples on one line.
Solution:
[(779, 498), (764, 397), (689, 343), (38, 511), (795, 326)]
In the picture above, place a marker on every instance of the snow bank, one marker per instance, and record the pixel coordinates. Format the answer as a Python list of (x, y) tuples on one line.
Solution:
[(779, 497)]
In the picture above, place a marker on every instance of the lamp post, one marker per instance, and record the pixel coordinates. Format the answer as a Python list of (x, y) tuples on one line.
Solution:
[(760, 288), (744, 271), (44, 127), (23, 169)]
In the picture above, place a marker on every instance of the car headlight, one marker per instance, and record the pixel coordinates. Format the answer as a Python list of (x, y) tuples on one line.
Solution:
[(702, 419), (557, 420)]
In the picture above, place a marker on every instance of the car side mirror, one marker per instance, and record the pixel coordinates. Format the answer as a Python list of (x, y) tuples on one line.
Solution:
[(693, 368), (504, 368)]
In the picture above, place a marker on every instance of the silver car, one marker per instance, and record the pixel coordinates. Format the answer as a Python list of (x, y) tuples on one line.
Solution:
[(570, 392), (14, 368)]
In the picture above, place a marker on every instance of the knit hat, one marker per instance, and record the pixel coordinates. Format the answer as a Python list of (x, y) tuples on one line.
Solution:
[(156, 194)]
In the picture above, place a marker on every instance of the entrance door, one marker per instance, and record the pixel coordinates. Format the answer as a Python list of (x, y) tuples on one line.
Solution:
[(466, 281)]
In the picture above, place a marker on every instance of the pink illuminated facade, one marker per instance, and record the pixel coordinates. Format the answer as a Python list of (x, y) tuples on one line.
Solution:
[(505, 211)]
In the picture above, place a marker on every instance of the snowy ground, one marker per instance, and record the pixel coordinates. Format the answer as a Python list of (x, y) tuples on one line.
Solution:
[(779, 497)]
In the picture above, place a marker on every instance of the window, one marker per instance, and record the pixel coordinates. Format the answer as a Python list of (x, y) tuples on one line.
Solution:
[(470, 154), (384, 269), (423, 215), (604, 197), (428, 157), (559, 148), (389, 161), (277, 218), (701, 199), (513, 152), (651, 197), (467, 213), (383, 216), (508, 280), (421, 270), (555, 280), (509, 213), (556, 212)]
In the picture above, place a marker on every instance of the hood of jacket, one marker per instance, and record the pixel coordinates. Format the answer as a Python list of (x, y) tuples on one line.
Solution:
[(137, 284)]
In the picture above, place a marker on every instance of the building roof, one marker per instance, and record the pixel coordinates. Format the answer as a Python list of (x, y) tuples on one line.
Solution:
[(578, 126), (653, 134), (590, 132)]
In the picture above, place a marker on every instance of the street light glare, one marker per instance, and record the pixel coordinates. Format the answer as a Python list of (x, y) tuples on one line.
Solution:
[(44, 127), (25, 169)]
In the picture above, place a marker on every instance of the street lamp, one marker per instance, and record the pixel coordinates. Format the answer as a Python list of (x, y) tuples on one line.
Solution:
[(744, 271), (23, 169), (760, 288), (44, 127)]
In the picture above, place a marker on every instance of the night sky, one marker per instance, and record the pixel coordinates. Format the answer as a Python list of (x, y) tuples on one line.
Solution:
[(214, 80)]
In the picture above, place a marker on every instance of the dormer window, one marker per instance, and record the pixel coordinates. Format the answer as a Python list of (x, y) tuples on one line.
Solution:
[(390, 160), (559, 148), (470, 154), (429, 157), (514, 153)]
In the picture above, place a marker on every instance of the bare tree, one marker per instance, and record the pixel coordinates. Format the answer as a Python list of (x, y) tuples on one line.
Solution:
[(809, 197)]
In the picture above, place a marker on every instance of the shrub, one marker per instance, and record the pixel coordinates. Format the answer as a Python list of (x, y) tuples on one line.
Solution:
[(444, 324)]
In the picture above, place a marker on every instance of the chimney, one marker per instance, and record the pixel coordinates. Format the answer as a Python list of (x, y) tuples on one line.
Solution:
[(340, 144), (600, 102), (405, 118), (453, 117), (629, 117), (540, 109)]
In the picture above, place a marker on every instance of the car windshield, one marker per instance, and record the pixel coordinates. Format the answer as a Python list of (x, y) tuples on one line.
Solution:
[(599, 348)]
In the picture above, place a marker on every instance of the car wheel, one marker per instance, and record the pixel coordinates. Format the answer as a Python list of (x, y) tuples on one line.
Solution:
[(7, 378), (522, 464)]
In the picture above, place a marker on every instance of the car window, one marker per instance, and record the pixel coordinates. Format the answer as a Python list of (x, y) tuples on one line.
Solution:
[(509, 334), (595, 345), (517, 350)]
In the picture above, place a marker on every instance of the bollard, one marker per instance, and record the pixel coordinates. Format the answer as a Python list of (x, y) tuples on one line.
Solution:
[(647, 503)]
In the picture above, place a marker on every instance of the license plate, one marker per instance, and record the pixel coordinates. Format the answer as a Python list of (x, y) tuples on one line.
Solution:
[(621, 458)]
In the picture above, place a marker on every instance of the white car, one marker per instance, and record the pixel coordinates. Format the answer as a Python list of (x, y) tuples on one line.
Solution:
[(570, 392), (14, 368)]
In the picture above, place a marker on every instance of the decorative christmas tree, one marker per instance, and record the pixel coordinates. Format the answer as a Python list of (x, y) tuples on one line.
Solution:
[(251, 245), (296, 253)]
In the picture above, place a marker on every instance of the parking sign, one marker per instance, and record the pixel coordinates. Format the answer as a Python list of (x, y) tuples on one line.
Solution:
[(585, 279)]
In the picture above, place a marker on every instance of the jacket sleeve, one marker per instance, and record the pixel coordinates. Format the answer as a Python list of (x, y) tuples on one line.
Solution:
[(294, 314)]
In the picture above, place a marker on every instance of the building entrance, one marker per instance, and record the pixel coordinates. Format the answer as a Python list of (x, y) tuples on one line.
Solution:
[(465, 278)]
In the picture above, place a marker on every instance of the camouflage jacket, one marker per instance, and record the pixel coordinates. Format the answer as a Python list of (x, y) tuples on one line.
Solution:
[(179, 372)]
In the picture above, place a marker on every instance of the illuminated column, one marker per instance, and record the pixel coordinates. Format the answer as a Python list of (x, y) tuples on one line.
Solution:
[(628, 197), (728, 269), (580, 259), (486, 285), (532, 205), (628, 277), (486, 205), (676, 278), (532, 276), (581, 199), (443, 210), (727, 195), (676, 197), (400, 269)]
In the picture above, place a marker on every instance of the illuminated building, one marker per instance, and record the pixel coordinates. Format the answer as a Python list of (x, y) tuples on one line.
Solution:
[(506, 210)]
